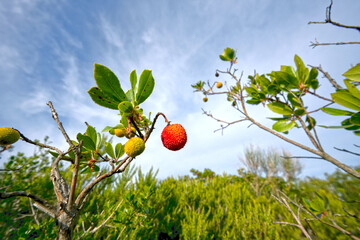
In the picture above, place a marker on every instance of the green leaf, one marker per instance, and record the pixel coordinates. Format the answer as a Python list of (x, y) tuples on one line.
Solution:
[(108, 83), (299, 112), (252, 90), (346, 99), (96, 168), (286, 79), (355, 118), (54, 154), (352, 88), (283, 118), (98, 141), (106, 129), (280, 108), (333, 127), (125, 107), (307, 202), (133, 79), (336, 112), (119, 150), (311, 121), (131, 94), (101, 99), (91, 132), (253, 101), (353, 73), (301, 70), (87, 141), (357, 133), (290, 70), (146, 86), (228, 54), (124, 121), (295, 101), (314, 84), (312, 75), (283, 125), (109, 149), (86, 170), (273, 89)]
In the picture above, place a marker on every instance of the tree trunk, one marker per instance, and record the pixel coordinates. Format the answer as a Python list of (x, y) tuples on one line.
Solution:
[(66, 225)]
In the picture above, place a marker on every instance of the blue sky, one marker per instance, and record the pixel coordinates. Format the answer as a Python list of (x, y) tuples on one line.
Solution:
[(48, 48)]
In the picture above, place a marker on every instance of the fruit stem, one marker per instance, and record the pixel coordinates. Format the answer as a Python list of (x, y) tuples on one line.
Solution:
[(147, 135), (166, 120)]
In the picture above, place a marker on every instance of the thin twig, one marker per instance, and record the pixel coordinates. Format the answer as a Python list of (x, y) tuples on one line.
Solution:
[(44, 204), (316, 43), (37, 143), (33, 212), (328, 20), (107, 219), (345, 150), (147, 135)]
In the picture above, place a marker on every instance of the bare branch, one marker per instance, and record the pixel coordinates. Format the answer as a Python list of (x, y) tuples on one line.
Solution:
[(107, 219), (61, 188), (349, 214), (5, 148), (328, 20), (37, 143), (60, 126), (75, 175), (327, 75), (319, 219), (323, 155), (316, 43), (302, 157), (39, 202), (33, 212), (283, 201), (223, 121), (80, 198), (345, 150)]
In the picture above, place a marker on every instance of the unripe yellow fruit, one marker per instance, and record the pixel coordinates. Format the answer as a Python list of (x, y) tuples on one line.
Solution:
[(134, 147), (8, 136), (120, 132), (219, 84)]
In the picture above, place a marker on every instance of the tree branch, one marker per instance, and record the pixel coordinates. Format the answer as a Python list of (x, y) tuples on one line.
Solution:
[(328, 20), (92, 231), (89, 187), (147, 135), (345, 150), (40, 203), (316, 43)]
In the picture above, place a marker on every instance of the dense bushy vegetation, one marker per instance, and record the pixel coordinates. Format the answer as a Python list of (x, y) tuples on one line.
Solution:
[(136, 205)]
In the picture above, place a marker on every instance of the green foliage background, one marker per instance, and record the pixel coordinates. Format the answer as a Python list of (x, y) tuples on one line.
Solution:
[(202, 206)]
